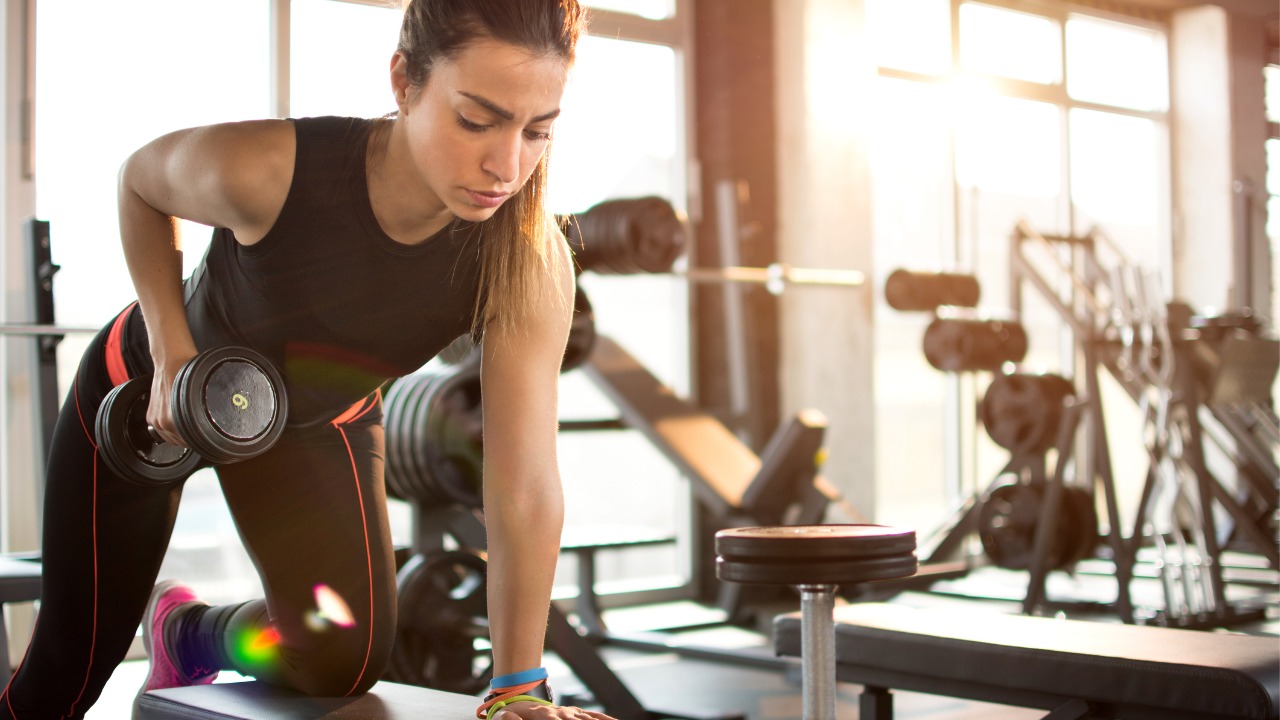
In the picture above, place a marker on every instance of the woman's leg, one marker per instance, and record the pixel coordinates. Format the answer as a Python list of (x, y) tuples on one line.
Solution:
[(312, 514), (103, 541)]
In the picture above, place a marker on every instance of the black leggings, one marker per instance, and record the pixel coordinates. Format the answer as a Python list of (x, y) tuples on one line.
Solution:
[(311, 511)]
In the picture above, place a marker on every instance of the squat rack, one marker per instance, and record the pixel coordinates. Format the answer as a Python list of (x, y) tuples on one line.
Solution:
[(1120, 325)]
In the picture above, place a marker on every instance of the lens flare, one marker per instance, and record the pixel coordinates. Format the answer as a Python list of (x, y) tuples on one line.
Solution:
[(260, 646), (332, 607)]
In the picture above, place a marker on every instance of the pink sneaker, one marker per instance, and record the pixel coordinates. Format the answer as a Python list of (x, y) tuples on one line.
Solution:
[(164, 672)]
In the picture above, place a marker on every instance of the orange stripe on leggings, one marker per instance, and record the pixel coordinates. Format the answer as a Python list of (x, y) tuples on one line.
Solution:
[(368, 556), (359, 408), (116, 369)]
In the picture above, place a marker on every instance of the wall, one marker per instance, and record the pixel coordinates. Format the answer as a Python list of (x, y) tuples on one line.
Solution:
[(824, 220), (1219, 164)]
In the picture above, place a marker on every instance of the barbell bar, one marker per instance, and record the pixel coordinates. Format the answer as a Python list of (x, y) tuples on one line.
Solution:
[(775, 276), (36, 330)]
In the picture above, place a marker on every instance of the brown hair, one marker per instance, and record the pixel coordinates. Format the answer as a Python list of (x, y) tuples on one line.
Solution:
[(516, 244)]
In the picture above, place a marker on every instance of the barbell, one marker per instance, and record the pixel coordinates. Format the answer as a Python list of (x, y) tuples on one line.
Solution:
[(630, 236)]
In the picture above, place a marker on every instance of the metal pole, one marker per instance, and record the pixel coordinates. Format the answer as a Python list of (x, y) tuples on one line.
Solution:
[(818, 650)]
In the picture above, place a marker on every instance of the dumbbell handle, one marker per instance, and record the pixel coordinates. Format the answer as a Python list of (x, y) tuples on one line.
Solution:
[(818, 650)]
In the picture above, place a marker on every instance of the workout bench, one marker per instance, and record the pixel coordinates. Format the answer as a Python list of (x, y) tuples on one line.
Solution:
[(259, 701), (1078, 670)]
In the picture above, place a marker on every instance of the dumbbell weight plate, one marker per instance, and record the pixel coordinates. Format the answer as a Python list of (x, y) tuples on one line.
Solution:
[(127, 447), (815, 554), (229, 404)]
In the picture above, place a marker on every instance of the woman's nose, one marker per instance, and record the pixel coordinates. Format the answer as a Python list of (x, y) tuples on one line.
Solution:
[(503, 157)]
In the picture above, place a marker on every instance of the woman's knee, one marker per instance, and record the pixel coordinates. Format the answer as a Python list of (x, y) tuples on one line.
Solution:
[(349, 665)]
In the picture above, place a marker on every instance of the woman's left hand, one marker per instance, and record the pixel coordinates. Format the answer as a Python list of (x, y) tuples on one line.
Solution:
[(536, 711)]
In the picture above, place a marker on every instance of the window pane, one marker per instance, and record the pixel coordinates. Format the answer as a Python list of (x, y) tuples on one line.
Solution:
[(1010, 44), (1007, 145), (911, 35), (156, 66), (340, 58), (1115, 172), (911, 185), (1115, 64), (138, 97), (618, 136), (653, 9)]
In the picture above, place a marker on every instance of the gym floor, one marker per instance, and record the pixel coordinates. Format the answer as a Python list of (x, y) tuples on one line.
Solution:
[(710, 690)]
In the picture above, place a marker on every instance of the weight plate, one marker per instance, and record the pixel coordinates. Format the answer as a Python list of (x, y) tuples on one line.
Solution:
[(442, 624), (396, 471), (125, 444), (966, 344), (1022, 412), (831, 571), (1007, 523), (390, 418), (213, 387), (455, 432), (909, 290), (420, 450), (813, 542), (240, 401)]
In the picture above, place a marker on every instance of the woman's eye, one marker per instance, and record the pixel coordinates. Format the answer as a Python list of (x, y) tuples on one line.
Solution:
[(538, 134), (466, 124)]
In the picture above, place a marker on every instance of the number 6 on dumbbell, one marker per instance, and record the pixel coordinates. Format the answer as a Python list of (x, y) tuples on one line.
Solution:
[(228, 403)]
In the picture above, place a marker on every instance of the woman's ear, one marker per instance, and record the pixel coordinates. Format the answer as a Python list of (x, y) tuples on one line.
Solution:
[(400, 85)]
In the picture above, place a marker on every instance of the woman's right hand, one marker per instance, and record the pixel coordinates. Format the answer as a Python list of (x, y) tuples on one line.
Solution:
[(159, 407)]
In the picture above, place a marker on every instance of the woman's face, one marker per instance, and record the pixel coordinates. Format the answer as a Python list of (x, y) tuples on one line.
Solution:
[(479, 126)]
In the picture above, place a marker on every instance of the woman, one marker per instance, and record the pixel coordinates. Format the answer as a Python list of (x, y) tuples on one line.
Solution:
[(348, 252)]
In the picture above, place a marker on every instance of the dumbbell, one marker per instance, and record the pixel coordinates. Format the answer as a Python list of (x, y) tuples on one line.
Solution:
[(229, 405), (816, 559)]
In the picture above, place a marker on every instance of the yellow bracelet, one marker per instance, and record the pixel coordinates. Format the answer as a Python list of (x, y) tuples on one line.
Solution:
[(509, 701)]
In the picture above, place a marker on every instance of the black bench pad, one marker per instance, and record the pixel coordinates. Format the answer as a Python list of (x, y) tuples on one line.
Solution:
[(1123, 671), (259, 701)]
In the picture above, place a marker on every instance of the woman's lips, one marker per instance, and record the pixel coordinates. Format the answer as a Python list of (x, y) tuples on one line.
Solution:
[(487, 199)]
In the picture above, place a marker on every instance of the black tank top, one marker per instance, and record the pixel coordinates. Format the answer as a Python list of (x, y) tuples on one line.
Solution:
[(328, 296)]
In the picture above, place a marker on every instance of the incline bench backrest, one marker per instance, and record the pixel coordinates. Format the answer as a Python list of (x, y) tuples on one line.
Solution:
[(727, 476)]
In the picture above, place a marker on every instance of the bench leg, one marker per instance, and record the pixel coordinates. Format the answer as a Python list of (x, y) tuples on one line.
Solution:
[(875, 703)]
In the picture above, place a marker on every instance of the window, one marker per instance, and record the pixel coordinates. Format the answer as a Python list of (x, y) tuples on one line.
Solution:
[(1043, 115), (1111, 63), (130, 79), (1022, 46), (353, 81)]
